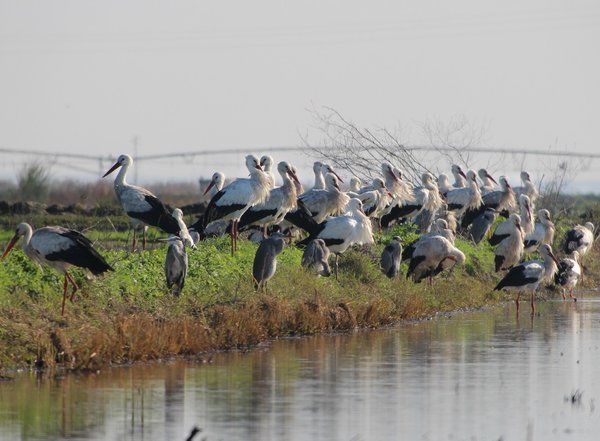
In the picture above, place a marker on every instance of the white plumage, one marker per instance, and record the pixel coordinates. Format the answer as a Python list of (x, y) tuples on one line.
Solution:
[(266, 162), (528, 275), (543, 232), (460, 179), (528, 188), (432, 256), (462, 199), (59, 248), (140, 204), (214, 186), (568, 274), (326, 202), (488, 183), (234, 199), (509, 238)]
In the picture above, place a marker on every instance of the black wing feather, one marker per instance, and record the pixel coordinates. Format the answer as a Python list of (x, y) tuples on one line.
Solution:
[(82, 254)]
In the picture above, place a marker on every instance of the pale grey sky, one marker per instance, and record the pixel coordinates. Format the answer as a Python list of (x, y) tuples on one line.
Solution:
[(88, 76)]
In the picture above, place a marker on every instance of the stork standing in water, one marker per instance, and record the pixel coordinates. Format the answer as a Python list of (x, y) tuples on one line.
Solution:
[(234, 199), (528, 275), (568, 274), (341, 232), (140, 204), (59, 248), (580, 238)]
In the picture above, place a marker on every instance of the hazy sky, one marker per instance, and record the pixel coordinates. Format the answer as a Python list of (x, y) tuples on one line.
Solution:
[(88, 76)]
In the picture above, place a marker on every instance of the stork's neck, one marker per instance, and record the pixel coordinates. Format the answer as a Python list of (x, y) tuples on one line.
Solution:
[(120, 179), (319, 180), (27, 237)]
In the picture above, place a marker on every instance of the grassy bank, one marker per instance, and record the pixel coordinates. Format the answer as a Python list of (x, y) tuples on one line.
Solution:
[(128, 315)]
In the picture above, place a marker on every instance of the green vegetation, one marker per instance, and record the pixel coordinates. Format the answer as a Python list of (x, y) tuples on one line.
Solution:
[(129, 315)]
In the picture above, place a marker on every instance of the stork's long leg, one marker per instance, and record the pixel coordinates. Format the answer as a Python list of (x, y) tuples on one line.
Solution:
[(65, 285), (336, 266), (231, 234), (563, 292), (133, 243), (532, 302), (144, 238), (75, 287), (517, 301)]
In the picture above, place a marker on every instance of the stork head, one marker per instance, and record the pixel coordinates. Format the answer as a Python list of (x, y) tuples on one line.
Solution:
[(284, 168), (326, 168), (516, 220), (355, 183), (471, 175), (389, 172), (331, 182), (504, 183), (217, 181), (355, 205), (525, 176), (122, 161), (456, 170), (21, 230), (266, 162), (546, 252), (317, 165), (544, 216), (253, 164)]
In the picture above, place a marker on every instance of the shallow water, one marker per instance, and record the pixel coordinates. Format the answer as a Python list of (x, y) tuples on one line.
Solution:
[(483, 375)]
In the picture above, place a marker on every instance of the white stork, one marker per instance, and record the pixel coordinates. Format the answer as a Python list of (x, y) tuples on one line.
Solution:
[(444, 183), (327, 202), (320, 169), (463, 199), (488, 183), (432, 256), (59, 248), (376, 199), (528, 275), (214, 186), (266, 162), (568, 274), (355, 184), (543, 232), (581, 239), (234, 199), (440, 228), (279, 202), (341, 232), (526, 213), (499, 201), (509, 238), (528, 188), (460, 179), (140, 204)]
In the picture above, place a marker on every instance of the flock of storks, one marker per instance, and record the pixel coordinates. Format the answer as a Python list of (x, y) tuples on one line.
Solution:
[(327, 219)]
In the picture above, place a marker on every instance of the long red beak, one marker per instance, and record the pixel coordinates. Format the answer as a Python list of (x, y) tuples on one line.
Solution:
[(491, 179), (212, 183), (293, 176), (11, 244), (460, 172), (112, 169), (336, 175)]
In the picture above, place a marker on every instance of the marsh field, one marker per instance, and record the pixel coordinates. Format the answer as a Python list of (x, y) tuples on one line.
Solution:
[(129, 315)]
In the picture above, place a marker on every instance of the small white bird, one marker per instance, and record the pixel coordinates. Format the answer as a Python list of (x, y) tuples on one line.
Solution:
[(568, 274), (528, 275), (140, 204), (59, 248)]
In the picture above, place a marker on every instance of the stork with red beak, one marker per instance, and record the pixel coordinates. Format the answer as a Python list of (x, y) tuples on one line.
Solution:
[(140, 204)]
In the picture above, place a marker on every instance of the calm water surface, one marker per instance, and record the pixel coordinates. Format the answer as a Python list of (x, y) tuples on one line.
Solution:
[(472, 376)]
